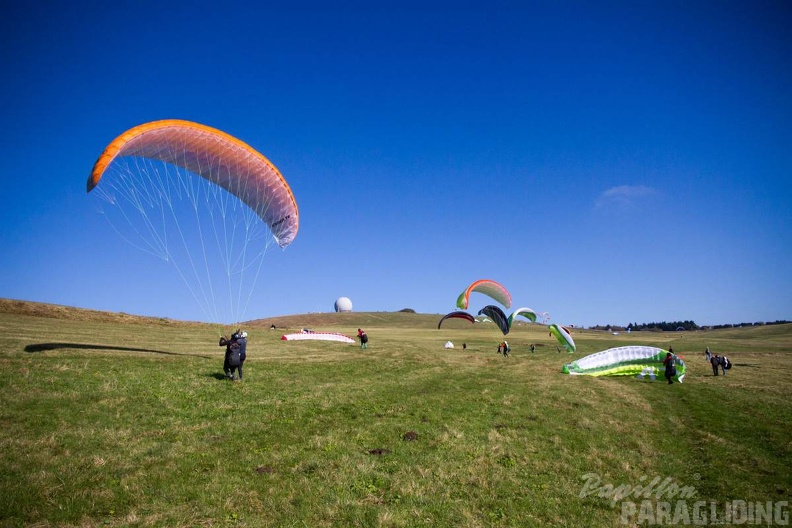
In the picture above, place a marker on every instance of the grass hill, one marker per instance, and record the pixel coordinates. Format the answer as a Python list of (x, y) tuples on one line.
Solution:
[(116, 420)]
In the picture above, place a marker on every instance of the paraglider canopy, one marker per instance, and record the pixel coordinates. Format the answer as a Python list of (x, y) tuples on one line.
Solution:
[(199, 199), (522, 312), (635, 360), (487, 287), (317, 336), (563, 336), (216, 156), (497, 316), (456, 315)]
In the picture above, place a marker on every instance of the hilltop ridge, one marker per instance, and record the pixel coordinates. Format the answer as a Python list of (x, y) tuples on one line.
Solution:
[(298, 321)]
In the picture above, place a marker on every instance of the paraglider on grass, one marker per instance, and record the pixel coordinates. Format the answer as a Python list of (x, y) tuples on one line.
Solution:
[(318, 336), (640, 361)]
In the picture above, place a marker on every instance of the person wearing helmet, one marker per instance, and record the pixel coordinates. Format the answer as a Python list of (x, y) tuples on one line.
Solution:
[(242, 342)]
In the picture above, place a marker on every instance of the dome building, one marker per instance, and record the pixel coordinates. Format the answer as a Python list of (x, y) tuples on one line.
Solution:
[(343, 304)]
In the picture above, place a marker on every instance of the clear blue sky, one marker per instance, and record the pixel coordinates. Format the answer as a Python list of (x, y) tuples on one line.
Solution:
[(607, 162)]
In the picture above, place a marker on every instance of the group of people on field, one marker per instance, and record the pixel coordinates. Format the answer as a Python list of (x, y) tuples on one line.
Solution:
[(504, 348), (236, 352), (717, 362)]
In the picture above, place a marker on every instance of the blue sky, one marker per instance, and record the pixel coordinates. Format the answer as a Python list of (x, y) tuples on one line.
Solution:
[(612, 162)]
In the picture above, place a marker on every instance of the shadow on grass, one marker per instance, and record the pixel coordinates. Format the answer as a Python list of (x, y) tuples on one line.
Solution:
[(43, 347)]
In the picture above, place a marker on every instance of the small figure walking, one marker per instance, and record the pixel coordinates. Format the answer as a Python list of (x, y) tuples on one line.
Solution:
[(670, 367), (533, 348), (708, 354), (363, 338)]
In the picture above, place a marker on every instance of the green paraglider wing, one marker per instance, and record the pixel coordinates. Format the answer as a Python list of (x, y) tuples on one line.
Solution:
[(497, 316), (563, 336), (641, 361), (522, 312)]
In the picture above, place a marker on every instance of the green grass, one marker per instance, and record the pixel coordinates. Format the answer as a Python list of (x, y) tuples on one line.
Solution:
[(111, 420)]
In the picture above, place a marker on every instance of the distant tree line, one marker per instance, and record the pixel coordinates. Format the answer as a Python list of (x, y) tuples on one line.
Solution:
[(664, 326), (677, 326), (738, 325)]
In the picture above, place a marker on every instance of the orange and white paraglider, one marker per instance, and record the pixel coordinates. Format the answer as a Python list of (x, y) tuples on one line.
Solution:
[(489, 288), (216, 156), (201, 199)]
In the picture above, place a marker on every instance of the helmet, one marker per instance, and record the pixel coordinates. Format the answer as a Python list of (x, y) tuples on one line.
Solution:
[(234, 336), (243, 334)]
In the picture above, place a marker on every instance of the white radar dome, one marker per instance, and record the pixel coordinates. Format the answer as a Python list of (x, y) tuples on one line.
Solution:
[(343, 304)]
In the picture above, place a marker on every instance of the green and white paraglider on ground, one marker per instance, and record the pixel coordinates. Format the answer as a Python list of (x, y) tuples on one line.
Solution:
[(640, 361)]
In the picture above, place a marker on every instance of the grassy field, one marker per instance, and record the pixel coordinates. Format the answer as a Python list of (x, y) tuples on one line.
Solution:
[(114, 420)]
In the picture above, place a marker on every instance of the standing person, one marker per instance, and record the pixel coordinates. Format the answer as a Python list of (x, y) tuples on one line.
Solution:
[(500, 348), (242, 342), (715, 362), (670, 367), (722, 364), (708, 354), (230, 344), (363, 338), (533, 348), (506, 349)]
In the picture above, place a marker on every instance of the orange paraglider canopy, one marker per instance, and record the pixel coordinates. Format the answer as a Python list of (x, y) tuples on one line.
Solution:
[(217, 157), (487, 287)]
